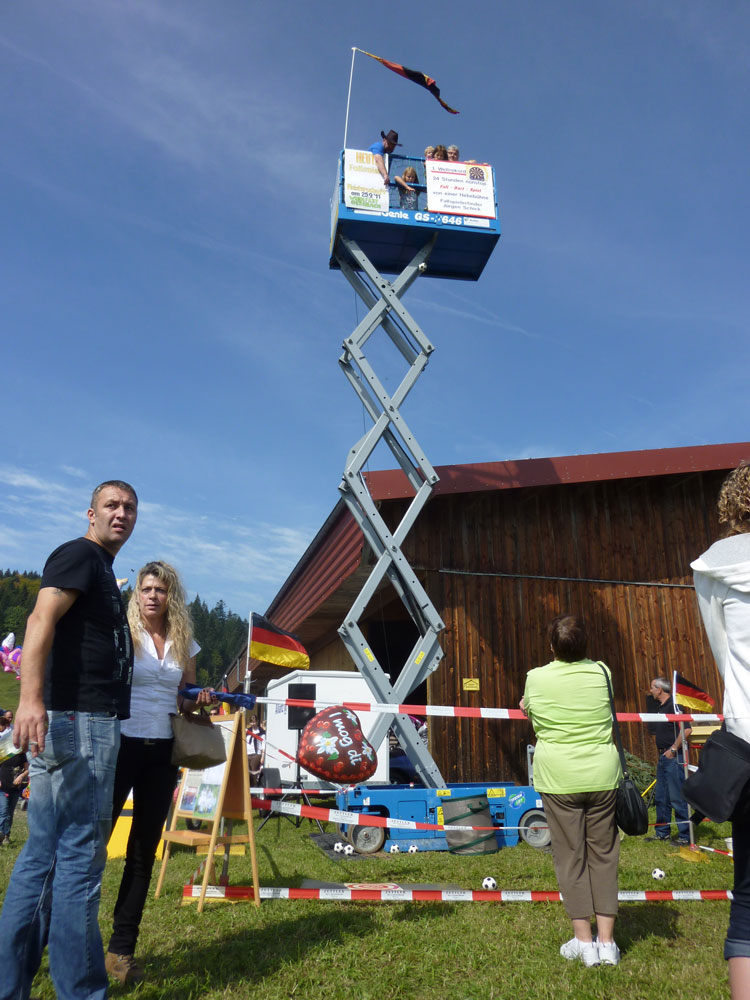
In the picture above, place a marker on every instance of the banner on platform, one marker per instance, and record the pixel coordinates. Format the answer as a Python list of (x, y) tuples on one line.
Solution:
[(363, 185), (460, 188)]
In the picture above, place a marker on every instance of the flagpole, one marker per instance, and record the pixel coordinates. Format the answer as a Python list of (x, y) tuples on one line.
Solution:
[(246, 685), (682, 746), (349, 95)]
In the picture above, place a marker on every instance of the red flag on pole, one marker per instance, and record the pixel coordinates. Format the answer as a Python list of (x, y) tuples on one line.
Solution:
[(415, 76)]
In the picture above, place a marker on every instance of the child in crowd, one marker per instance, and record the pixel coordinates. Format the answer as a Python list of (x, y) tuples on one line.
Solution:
[(407, 195), (429, 152), (14, 777), (441, 153)]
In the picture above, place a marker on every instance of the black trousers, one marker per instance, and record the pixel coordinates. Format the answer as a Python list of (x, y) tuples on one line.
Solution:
[(146, 768)]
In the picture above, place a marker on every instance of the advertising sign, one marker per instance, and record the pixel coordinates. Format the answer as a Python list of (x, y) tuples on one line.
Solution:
[(460, 188), (363, 185)]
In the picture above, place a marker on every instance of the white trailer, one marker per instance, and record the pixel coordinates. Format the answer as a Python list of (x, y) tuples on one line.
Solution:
[(332, 686)]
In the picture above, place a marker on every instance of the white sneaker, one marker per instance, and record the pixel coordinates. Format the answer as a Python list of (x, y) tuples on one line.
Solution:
[(609, 953), (587, 951)]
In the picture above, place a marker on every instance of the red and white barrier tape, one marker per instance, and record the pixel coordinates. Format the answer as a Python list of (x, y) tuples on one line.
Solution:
[(267, 790), (223, 879), (398, 894), (467, 712), (363, 819)]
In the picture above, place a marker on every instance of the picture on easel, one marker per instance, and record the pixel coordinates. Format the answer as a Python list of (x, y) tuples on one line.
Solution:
[(199, 791), (213, 795)]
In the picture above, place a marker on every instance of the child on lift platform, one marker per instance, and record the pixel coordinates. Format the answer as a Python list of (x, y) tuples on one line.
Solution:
[(407, 195)]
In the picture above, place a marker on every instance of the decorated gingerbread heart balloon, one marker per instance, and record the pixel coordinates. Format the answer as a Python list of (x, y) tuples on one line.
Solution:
[(332, 746)]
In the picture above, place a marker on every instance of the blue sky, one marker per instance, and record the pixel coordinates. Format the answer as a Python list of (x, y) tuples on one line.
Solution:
[(168, 314)]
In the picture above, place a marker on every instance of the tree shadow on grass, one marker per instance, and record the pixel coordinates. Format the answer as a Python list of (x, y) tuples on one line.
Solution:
[(244, 955)]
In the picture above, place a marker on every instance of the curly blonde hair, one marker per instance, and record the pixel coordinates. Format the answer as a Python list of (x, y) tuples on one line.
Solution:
[(734, 500), (179, 625)]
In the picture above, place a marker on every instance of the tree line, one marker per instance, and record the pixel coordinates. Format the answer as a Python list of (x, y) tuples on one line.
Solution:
[(219, 632)]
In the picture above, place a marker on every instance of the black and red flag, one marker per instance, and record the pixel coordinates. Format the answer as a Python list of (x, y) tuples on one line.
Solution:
[(415, 76)]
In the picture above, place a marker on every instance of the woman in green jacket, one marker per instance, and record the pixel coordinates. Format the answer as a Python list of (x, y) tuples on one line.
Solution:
[(577, 771)]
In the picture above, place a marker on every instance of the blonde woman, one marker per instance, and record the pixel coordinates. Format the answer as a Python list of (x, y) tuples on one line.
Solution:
[(165, 654)]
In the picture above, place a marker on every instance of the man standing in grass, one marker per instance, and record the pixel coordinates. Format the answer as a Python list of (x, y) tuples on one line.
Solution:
[(75, 688), (670, 770)]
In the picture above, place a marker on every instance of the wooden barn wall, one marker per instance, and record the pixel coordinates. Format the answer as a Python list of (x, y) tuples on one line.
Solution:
[(333, 656), (499, 565)]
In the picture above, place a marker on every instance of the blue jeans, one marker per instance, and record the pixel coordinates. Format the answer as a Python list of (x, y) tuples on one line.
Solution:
[(8, 802), (670, 776), (53, 894)]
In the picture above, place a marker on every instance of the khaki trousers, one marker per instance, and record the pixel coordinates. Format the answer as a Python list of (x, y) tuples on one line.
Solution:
[(585, 849)]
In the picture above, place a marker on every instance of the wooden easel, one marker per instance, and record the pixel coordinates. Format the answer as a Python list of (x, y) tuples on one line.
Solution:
[(233, 802)]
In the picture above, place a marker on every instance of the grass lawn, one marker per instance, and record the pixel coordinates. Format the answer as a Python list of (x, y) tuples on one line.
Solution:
[(378, 951)]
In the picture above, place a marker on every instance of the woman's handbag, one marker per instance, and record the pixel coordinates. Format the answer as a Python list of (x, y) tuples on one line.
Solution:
[(198, 743), (719, 787), (631, 811)]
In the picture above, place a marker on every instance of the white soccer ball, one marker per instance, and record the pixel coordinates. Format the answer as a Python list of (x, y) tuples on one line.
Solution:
[(338, 847), (413, 848), (394, 849), (348, 849), (658, 873), (489, 883)]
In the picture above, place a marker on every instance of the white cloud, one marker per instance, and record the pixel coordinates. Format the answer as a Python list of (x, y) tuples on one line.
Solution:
[(218, 557)]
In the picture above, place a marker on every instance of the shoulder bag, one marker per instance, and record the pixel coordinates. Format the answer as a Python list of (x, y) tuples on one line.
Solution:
[(198, 743), (720, 785), (631, 812)]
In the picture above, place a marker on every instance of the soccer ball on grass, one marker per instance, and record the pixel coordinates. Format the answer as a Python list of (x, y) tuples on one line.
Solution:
[(338, 847), (658, 873), (394, 849), (348, 849), (489, 883)]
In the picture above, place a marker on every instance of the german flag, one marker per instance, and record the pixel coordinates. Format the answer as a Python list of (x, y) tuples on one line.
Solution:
[(692, 697), (272, 644), (415, 76)]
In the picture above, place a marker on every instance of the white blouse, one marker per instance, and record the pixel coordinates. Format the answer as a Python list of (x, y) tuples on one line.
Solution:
[(154, 692)]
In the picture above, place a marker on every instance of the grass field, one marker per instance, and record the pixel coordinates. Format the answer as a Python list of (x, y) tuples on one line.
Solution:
[(9, 690), (379, 951)]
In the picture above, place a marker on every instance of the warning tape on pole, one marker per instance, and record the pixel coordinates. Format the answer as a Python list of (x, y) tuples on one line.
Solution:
[(467, 712), (398, 894)]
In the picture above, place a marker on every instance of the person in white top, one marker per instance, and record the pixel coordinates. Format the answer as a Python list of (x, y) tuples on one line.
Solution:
[(722, 583), (165, 654)]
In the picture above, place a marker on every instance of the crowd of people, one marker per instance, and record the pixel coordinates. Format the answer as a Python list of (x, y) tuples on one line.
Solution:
[(408, 194), (96, 723)]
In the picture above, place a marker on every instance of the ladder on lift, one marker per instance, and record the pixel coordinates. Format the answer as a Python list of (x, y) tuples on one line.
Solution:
[(385, 309)]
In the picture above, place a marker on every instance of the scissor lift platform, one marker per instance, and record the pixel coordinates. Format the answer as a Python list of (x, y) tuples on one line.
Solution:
[(391, 238), (371, 236)]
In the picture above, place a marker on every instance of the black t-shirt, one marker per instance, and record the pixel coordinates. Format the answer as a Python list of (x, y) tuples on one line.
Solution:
[(90, 667), (665, 733)]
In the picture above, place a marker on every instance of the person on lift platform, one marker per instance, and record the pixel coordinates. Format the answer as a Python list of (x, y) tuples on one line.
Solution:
[(387, 143)]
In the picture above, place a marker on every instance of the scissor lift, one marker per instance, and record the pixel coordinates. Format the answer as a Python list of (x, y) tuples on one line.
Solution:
[(365, 245)]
